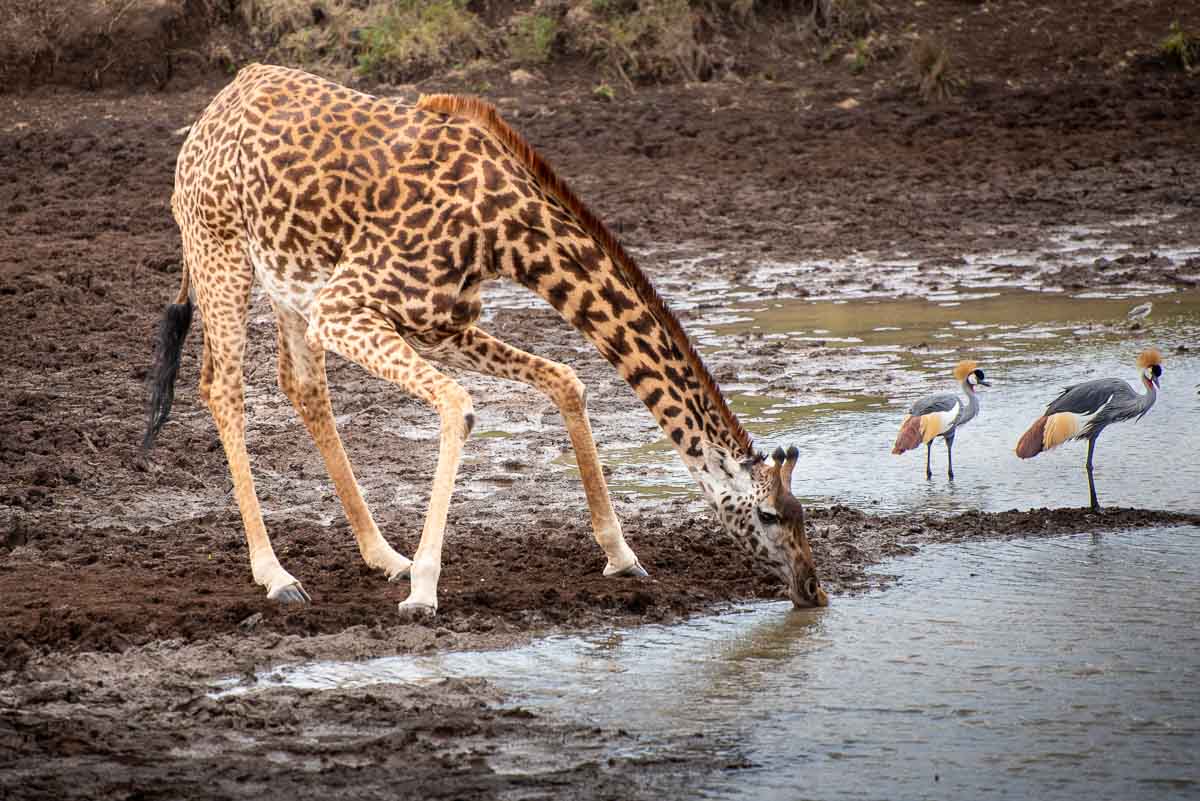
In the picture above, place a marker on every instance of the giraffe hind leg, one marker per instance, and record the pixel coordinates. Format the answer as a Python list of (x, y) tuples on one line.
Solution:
[(302, 378), (473, 349), (369, 338), (224, 306)]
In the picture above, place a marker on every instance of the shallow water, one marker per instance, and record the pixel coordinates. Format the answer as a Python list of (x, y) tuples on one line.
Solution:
[(1030, 344), (1060, 668)]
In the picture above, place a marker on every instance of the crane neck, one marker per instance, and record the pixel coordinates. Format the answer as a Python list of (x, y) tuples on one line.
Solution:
[(972, 407), (1148, 397)]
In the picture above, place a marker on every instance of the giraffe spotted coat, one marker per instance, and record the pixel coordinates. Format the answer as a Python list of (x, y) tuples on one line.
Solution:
[(372, 225)]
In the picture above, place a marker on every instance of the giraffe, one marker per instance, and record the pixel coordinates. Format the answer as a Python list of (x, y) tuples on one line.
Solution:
[(371, 225)]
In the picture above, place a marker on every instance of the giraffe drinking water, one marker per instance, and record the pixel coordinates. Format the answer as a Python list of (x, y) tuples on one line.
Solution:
[(372, 225)]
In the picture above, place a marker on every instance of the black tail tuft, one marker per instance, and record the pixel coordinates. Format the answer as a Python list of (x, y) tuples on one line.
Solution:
[(168, 347)]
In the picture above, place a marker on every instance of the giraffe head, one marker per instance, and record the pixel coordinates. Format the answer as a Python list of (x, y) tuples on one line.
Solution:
[(754, 502)]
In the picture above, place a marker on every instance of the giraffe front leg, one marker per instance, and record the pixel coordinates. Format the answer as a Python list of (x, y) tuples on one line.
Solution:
[(457, 420), (369, 338), (476, 350)]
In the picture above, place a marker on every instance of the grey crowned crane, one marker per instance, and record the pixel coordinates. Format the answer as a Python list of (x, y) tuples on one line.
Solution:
[(941, 415), (1084, 410)]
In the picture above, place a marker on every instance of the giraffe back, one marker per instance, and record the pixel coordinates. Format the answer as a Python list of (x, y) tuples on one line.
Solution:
[(310, 178)]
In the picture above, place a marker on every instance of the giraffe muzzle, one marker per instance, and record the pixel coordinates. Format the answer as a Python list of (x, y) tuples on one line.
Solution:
[(807, 593)]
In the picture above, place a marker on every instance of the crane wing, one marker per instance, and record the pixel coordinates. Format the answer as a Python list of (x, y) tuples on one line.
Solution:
[(941, 402), (1090, 396)]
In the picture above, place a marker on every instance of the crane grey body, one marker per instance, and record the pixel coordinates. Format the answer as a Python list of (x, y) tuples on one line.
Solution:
[(1104, 401), (1082, 411), (941, 415), (942, 403)]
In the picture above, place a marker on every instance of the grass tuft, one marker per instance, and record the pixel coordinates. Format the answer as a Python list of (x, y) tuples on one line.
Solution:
[(854, 18), (934, 72), (645, 41)]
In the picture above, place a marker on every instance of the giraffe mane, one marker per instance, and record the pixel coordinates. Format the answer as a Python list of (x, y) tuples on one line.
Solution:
[(516, 144)]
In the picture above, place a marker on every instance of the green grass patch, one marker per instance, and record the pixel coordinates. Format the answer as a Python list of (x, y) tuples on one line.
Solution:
[(413, 36), (1180, 48), (390, 40), (532, 38)]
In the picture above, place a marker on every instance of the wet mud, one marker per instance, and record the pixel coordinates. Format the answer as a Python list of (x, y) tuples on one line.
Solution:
[(124, 584)]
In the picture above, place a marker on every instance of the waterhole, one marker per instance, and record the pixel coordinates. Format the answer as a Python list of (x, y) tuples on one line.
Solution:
[(1058, 668), (843, 406)]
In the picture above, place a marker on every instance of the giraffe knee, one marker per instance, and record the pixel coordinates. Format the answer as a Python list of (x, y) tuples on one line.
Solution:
[(455, 407), (566, 388)]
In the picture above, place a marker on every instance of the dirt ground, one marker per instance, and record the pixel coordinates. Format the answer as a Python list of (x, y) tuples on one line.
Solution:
[(125, 589)]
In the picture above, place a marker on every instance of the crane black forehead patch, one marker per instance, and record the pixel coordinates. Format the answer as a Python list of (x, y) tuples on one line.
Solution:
[(1156, 370), (979, 375)]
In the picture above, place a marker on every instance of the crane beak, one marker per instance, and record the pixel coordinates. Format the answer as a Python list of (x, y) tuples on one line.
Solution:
[(985, 383)]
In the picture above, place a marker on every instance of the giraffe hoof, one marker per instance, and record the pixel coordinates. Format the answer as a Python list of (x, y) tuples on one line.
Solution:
[(414, 611), (633, 571), (290, 594)]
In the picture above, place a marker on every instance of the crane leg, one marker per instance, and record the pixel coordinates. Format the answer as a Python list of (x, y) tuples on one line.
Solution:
[(1092, 481), (928, 453), (950, 457)]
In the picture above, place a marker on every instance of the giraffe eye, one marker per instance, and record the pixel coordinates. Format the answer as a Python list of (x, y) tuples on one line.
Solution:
[(767, 518)]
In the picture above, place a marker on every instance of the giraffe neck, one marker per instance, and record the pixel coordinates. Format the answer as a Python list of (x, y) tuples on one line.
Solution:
[(617, 309), (552, 243)]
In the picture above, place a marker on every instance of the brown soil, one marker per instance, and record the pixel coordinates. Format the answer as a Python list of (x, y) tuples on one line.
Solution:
[(124, 587)]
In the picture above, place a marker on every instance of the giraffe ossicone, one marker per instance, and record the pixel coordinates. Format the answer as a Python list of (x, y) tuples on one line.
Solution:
[(371, 225)]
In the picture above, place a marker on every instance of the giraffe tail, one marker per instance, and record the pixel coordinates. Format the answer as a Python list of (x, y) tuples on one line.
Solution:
[(168, 347)]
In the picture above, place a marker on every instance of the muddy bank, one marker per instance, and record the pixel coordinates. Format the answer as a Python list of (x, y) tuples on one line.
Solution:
[(118, 595), (74, 737), (135, 44)]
